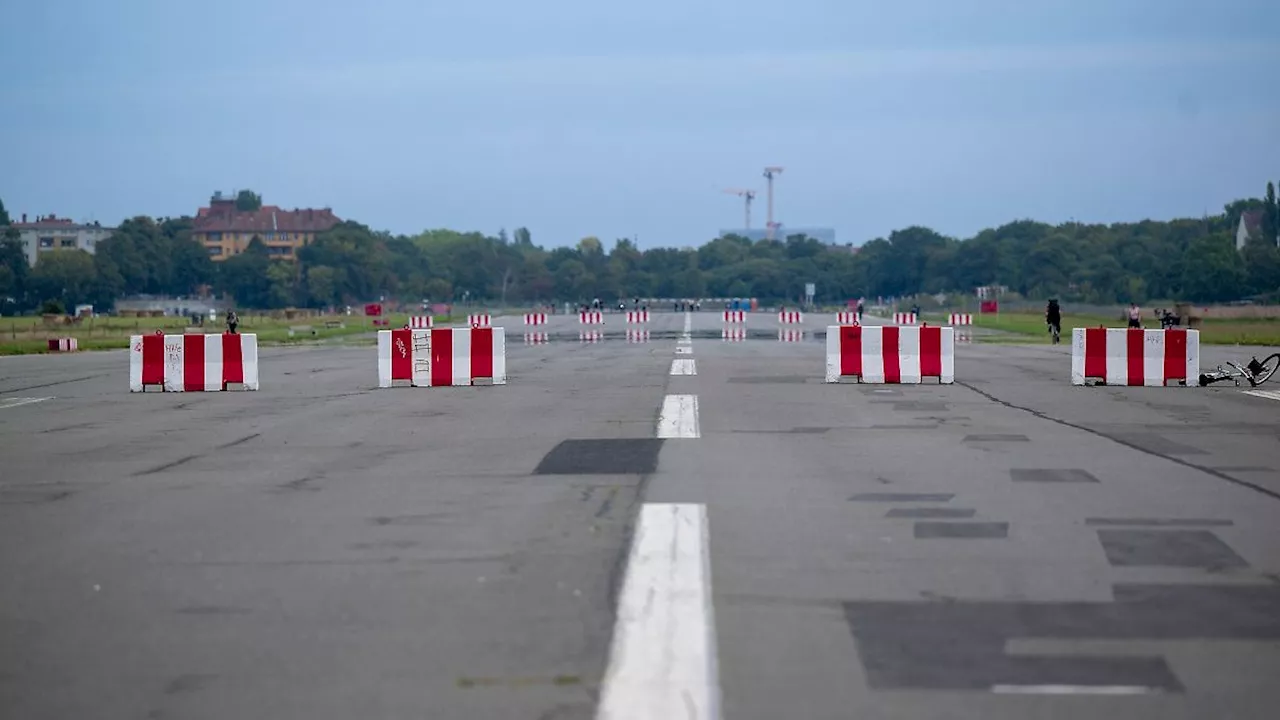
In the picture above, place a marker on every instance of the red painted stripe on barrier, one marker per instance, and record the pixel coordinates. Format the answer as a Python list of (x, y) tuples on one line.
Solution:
[(1175, 354), (1095, 352), (402, 354), (442, 357), (1133, 351), (232, 359), (193, 363), (481, 353), (851, 350), (892, 364), (931, 352), (152, 359)]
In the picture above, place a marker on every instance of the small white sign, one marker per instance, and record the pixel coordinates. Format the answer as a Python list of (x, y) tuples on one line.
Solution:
[(809, 289)]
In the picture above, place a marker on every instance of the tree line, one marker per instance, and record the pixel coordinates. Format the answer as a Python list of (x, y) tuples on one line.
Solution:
[(1192, 259)]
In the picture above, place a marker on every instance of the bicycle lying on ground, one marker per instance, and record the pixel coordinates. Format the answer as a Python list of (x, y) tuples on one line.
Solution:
[(1255, 372)]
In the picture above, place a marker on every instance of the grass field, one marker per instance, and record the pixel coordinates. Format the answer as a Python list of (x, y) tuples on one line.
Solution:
[(1212, 331), (27, 335)]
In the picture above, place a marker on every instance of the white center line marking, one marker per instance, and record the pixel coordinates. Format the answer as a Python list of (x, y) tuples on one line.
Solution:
[(662, 661), (679, 417), (688, 322), (681, 350), (18, 402), (1268, 394), (1074, 689), (684, 366)]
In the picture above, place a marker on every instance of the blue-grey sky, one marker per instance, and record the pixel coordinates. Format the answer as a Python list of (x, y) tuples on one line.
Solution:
[(589, 117)]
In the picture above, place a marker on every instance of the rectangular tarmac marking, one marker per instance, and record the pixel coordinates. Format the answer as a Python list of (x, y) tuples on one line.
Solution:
[(7, 403), (679, 417), (1268, 394), (684, 366), (662, 660), (683, 350), (1073, 689)]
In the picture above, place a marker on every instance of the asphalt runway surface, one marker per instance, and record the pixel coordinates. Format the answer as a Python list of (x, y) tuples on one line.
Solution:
[(654, 526)]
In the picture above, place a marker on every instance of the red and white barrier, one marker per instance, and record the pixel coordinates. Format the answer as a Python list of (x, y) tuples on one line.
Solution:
[(637, 316), (959, 319), (790, 335), (590, 336), (421, 322), (591, 317), (442, 356), (733, 334), (735, 316), (904, 318), (193, 363), (63, 345), (847, 318), (791, 317), (1133, 356), (637, 336), (536, 338), (535, 318), (480, 321), (890, 354)]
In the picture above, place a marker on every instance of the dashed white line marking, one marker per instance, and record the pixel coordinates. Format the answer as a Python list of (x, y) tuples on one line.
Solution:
[(1074, 689), (688, 323), (682, 350), (679, 417), (685, 340), (662, 661), (7, 403), (1268, 394), (684, 366)]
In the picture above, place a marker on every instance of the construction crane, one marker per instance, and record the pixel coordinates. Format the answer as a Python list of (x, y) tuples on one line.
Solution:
[(748, 195), (770, 225)]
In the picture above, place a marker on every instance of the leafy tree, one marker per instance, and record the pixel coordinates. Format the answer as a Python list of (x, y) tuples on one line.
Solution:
[(4, 214), (67, 276), (248, 201)]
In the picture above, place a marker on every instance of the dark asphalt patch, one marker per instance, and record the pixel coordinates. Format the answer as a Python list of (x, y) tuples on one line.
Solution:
[(1242, 468), (1168, 548), (961, 530), (904, 427), (808, 430), (241, 441), (931, 512), (611, 456), (915, 406), (167, 466), (1158, 444), (995, 437), (1052, 475), (32, 495), (770, 379), (1160, 522), (959, 645), (902, 497)]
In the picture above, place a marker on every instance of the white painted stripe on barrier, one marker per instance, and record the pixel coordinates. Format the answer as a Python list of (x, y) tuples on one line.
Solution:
[(684, 366), (662, 660), (679, 417)]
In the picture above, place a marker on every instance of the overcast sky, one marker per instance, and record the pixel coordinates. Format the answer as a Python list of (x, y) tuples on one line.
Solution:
[(591, 117)]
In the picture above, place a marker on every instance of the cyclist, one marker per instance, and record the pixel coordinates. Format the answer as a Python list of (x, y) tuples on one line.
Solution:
[(1053, 316)]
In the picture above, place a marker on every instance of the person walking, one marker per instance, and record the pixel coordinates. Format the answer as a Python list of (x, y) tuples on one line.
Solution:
[(1135, 316)]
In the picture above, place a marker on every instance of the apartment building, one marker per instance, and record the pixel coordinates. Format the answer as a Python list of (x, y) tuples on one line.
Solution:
[(226, 231), (50, 233)]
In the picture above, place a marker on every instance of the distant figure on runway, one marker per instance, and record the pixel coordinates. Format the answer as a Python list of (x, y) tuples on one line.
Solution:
[(233, 322), (859, 312), (1135, 316), (1053, 316)]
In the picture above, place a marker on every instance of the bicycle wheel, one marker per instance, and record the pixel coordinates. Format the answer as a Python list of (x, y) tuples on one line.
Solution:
[(1269, 366)]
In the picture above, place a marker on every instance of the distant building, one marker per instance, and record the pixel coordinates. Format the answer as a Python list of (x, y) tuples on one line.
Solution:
[(1250, 226), (225, 231), (51, 233), (826, 236)]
